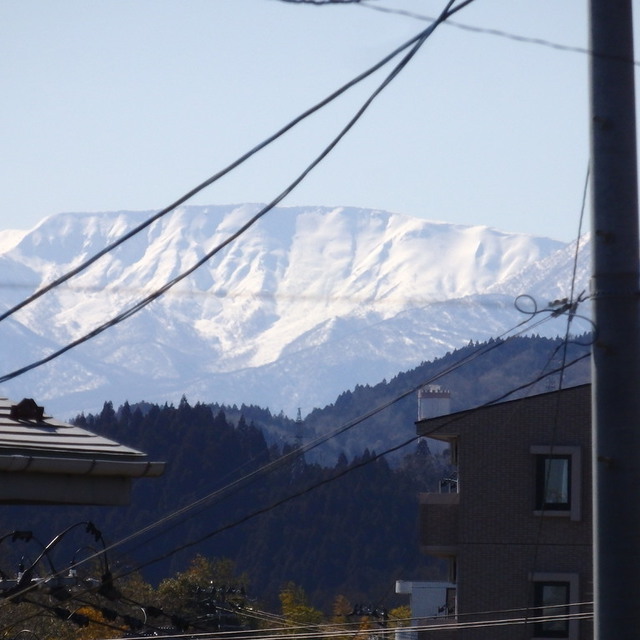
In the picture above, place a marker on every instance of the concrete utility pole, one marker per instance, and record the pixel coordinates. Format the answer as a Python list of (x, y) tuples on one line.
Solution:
[(616, 353)]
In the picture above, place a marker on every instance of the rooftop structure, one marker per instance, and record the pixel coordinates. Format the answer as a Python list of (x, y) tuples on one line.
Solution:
[(45, 461)]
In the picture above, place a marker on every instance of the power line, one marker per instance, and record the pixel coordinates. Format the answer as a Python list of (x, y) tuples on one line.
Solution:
[(497, 32), (290, 497), (556, 417), (190, 194), (361, 464), (242, 482), (313, 444), (417, 44), (376, 457), (274, 505)]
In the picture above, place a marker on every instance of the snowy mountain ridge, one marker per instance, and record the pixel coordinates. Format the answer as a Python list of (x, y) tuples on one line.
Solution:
[(307, 303)]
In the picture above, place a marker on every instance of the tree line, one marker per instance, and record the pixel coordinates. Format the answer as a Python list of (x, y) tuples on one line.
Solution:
[(348, 528), (333, 528)]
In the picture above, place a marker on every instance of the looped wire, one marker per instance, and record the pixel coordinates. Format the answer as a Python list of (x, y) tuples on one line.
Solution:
[(528, 305)]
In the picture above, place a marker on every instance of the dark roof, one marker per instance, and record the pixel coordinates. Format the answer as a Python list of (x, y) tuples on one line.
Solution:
[(27, 436)]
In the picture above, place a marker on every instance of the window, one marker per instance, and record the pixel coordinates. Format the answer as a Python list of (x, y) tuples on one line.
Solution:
[(553, 482), (558, 482), (550, 601), (554, 595)]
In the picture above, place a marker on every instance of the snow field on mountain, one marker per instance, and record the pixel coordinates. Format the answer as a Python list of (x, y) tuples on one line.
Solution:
[(307, 303)]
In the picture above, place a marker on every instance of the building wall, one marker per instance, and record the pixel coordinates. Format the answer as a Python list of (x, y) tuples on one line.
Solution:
[(501, 542)]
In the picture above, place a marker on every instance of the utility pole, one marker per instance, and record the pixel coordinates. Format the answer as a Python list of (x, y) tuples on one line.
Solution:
[(616, 352)]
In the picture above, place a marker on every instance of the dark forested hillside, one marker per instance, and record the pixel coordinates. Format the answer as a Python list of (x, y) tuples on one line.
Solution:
[(339, 519), (348, 529), (476, 374)]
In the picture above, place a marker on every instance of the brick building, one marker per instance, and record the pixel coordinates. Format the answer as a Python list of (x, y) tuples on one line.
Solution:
[(516, 525)]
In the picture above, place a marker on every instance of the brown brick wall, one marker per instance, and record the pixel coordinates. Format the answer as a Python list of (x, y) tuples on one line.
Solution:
[(499, 540)]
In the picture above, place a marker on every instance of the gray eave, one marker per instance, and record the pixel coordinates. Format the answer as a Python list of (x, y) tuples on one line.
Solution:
[(51, 446)]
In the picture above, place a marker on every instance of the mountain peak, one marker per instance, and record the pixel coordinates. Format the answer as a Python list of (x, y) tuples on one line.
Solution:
[(306, 303)]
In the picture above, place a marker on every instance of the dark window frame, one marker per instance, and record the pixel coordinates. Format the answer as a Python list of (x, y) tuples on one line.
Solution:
[(571, 630), (552, 628), (543, 483), (574, 512)]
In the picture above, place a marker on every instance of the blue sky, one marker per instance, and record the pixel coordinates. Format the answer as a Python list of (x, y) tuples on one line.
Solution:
[(114, 104)]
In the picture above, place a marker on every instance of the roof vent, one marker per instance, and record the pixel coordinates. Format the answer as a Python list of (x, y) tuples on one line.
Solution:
[(26, 409)]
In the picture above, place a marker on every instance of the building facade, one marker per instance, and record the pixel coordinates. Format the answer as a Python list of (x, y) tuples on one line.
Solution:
[(515, 525)]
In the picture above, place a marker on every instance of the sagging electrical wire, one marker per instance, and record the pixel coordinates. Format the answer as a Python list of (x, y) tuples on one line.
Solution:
[(448, 11), (278, 503), (308, 447), (376, 457), (344, 472), (291, 497), (25, 536), (569, 307), (198, 506), (497, 618), (502, 622), (235, 164), (26, 578), (310, 631), (443, 624), (334, 630), (497, 32), (65, 594)]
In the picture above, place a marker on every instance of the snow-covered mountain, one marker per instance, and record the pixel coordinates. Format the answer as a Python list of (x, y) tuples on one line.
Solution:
[(307, 303)]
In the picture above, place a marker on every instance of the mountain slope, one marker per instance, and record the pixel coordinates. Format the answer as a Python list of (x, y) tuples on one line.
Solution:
[(307, 303)]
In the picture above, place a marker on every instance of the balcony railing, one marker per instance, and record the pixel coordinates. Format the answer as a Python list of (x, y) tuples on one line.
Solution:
[(449, 484)]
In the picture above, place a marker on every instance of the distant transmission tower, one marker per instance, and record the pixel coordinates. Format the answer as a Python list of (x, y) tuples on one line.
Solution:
[(299, 463), (298, 430)]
